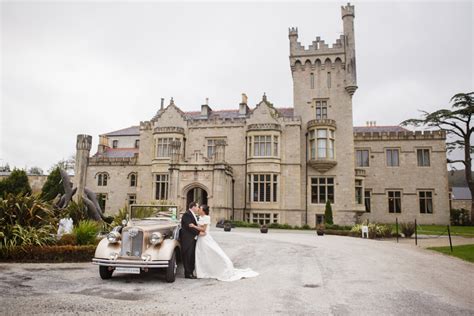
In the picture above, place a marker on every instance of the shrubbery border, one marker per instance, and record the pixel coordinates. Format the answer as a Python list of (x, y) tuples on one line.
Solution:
[(49, 254)]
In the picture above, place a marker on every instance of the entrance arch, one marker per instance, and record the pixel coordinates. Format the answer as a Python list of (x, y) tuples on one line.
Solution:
[(196, 194)]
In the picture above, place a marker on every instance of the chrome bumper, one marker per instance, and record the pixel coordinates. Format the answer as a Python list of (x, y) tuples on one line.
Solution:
[(131, 263)]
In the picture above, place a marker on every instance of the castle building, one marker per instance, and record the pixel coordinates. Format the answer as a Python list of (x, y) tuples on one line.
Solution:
[(279, 165)]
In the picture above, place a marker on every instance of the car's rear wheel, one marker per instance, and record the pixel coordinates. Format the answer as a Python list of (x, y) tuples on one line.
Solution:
[(171, 270), (105, 272)]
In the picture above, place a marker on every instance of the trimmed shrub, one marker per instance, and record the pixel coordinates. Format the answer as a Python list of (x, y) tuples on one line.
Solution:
[(245, 224), (53, 186), (67, 239), (328, 214), (49, 254), (86, 232), (16, 183), (375, 230), (407, 229)]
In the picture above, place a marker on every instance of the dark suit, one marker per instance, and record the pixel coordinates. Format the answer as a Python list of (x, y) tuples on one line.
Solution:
[(188, 242)]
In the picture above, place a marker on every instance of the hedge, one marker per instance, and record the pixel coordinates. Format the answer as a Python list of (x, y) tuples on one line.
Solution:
[(52, 254)]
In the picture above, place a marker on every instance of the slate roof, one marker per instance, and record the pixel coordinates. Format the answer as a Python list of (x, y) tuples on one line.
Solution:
[(286, 112), (461, 193), (129, 131), (379, 129), (118, 153)]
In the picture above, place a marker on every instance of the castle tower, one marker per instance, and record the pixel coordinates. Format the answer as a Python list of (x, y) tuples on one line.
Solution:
[(324, 80), (83, 147)]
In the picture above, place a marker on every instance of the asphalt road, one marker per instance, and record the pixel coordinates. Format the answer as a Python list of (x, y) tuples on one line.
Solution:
[(300, 273)]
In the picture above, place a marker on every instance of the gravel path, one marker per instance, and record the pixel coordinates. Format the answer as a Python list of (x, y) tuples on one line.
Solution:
[(300, 273)]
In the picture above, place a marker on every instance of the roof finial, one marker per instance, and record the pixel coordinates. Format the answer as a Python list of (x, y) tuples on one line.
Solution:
[(264, 98)]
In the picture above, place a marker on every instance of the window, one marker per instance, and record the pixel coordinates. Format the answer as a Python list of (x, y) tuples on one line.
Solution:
[(133, 180), (264, 218), (115, 144), (312, 80), (321, 143), (358, 191), (423, 156), (163, 147), (264, 187), (137, 143), (392, 158), (161, 187), (101, 199), (102, 179), (322, 190), (211, 146), (132, 199), (321, 109), (367, 195), (329, 80), (362, 158), (264, 145), (426, 202), (394, 201)]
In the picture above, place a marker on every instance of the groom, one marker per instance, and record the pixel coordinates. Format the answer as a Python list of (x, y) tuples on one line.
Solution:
[(188, 238)]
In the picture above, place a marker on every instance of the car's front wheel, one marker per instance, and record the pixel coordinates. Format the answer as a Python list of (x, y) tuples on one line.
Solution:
[(171, 270), (105, 272)]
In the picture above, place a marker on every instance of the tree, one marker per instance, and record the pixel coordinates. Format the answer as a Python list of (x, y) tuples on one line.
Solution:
[(328, 213), (15, 183), (65, 164), (53, 186), (35, 171), (457, 124)]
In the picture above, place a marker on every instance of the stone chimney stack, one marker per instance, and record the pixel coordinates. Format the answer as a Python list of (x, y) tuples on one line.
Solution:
[(243, 107), (162, 104), (206, 109), (83, 147)]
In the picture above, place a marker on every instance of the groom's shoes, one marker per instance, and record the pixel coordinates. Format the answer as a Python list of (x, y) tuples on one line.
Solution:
[(189, 277)]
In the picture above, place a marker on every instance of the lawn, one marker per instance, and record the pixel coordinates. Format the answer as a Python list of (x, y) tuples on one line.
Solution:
[(466, 231), (465, 252)]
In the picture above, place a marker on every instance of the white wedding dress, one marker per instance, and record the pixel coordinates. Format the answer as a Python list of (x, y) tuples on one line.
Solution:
[(212, 262)]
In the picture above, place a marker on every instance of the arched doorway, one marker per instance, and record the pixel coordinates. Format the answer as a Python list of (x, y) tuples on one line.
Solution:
[(196, 194)]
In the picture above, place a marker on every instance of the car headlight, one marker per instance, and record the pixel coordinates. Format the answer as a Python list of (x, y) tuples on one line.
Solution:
[(113, 237), (156, 238)]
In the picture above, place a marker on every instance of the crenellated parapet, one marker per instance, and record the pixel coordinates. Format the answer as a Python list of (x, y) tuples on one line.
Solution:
[(317, 48), (217, 122), (145, 125), (168, 130), (108, 161), (264, 127), (417, 135)]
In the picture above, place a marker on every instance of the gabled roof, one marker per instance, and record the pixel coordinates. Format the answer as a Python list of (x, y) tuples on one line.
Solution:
[(379, 129)]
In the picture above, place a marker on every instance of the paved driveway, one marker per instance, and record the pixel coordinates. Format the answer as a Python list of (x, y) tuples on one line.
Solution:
[(300, 273)]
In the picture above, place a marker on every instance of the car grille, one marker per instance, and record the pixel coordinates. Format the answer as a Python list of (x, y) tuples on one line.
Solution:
[(132, 242)]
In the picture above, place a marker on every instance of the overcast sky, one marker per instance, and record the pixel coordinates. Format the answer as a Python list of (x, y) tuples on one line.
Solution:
[(95, 67)]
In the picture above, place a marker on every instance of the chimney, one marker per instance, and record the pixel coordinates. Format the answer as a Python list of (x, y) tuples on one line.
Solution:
[(162, 103), (243, 107), (205, 109)]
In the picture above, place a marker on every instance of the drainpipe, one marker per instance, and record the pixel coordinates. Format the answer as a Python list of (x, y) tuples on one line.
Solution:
[(306, 179), (245, 181), (233, 188)]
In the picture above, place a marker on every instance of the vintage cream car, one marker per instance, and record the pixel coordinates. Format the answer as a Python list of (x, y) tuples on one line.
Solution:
[(147, 239)]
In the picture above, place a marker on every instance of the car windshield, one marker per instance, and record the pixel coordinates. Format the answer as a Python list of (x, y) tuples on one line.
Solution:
[(154, 212)]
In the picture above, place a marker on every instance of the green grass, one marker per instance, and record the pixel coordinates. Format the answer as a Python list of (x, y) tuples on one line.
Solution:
[(464, 252), (466, 231)]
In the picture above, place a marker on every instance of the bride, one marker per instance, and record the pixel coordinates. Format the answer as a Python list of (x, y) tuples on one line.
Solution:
[(211, 261)]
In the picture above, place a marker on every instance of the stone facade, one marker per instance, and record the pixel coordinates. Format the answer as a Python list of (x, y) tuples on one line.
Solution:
[(270, 164)]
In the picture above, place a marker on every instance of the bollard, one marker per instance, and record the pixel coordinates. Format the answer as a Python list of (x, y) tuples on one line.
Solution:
[(450, 243), (416, 233), (396, 224)]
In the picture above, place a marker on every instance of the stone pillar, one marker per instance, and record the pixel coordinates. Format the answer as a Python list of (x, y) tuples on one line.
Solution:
[(175, 149), (83, 147)]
